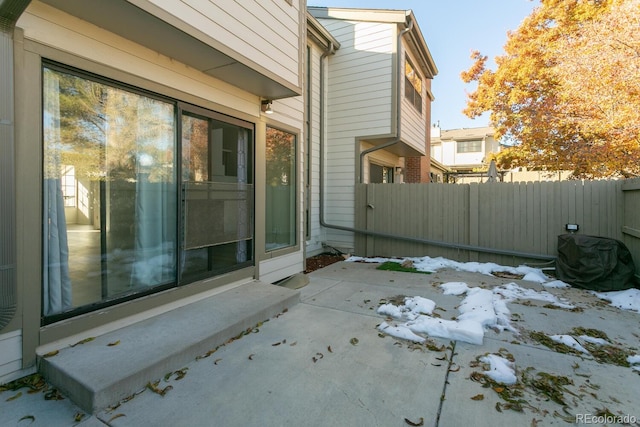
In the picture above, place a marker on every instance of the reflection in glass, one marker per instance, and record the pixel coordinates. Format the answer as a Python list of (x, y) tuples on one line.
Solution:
[(280, 212), (119, 233)]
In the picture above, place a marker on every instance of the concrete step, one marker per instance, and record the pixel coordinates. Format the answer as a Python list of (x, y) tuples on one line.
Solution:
[(96, 375)]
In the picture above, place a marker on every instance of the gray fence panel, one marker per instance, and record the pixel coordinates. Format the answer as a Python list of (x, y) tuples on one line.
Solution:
[(522, 217)]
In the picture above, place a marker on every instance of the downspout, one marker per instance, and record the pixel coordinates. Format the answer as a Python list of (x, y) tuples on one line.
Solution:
[(321, 135), (10, 11)]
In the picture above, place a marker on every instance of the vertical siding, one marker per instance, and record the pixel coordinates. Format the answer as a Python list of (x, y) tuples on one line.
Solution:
[(631, 219), (520, 217), (266, 32)]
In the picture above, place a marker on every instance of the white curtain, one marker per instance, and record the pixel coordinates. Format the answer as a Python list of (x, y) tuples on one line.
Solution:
[(55, 272), (155, 222)]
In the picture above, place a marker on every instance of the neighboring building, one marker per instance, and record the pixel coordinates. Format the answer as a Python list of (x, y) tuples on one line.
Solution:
[(376, 116), (154, 152), (463, 151)]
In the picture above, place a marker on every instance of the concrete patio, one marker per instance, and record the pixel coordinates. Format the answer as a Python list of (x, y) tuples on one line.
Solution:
[(322, 362)]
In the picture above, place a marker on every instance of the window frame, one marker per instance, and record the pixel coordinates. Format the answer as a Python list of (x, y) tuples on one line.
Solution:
[(178, 100), (411, 93)]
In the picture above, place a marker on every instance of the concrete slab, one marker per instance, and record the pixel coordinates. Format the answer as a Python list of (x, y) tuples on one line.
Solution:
[(300, 369), (285, 374), (594, 387), (110, 367)]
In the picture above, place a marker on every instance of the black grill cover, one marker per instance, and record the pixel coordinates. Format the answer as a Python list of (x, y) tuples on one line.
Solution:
[(595, 263)]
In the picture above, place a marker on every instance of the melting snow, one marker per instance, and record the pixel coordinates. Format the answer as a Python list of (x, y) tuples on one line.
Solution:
[(626, 300), (501, 370), (570, 341)]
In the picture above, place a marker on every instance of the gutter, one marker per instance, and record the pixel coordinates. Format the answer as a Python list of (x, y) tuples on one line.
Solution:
[(10, 11), (323, 223)]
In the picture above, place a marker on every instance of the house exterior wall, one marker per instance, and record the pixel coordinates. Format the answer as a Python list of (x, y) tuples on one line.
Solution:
[(359, 104), (44, 32), (316, 235), (413, 127), (266, 33)]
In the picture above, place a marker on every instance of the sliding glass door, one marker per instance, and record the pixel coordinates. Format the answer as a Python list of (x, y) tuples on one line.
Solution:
[(217, 178), (122, 215)]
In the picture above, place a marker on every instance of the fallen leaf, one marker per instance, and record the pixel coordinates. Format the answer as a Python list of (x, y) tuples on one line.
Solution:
[(215, 362), (161, 391), (276, 344), (498, 408), (207, 354), (14, 397), (478, 397), (113, 344), (456, 369), (84, 341), (28, 417), (293, 343), (251, 356), (354, 341), (115, 416), (181, 373), (51, 353), (498, 389), (329, 349), (411, 423), (53, 394), (78, 416)]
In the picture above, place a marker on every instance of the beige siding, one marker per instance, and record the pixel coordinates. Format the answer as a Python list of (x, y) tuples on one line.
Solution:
[(314, 244), (525, 218), (359, 104), (414, 125), (10, 356), (360, 82), (57, 29), (281, 267), (267, 32)]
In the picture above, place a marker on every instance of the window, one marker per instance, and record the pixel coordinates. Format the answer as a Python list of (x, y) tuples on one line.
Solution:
[(380, 174), (412, 85), (469, 146), (118, 222), (280, 207)]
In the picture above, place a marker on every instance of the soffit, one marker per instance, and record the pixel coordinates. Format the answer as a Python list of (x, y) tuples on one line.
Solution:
[(133, 23)]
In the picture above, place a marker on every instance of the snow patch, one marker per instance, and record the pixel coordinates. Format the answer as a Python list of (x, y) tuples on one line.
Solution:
[(626, 300), (501, 370), (570, 341)]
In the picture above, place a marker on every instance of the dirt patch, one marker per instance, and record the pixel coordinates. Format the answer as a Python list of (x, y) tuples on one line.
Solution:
[(320, 261)]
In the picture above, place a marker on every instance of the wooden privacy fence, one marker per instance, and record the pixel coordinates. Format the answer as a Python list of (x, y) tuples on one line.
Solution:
[(508, 217)]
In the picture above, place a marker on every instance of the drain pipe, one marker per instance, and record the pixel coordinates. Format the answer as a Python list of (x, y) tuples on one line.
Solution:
[(437, 243), (10, 11)]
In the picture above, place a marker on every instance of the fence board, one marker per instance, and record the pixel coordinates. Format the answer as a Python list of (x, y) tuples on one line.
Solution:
[(523, 217)]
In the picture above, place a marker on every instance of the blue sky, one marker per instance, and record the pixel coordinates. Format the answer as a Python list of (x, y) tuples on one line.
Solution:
[(452, 29)]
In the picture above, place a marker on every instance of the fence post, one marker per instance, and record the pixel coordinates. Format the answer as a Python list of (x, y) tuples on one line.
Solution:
[(474, 215)]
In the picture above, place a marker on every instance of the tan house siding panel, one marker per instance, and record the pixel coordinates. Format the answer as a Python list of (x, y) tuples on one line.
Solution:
[(413, 126), (314, 243), (360, 84), (279, 268), (11, 355), (57, 29), (266, 32)]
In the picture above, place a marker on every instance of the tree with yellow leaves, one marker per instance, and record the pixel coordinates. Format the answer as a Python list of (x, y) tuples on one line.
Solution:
[(567, 89)]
